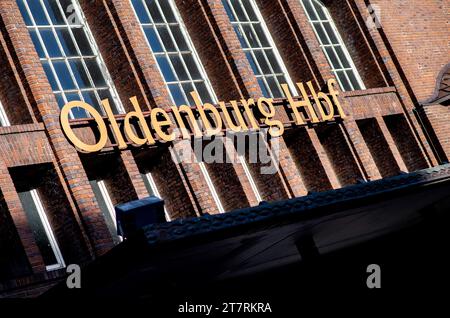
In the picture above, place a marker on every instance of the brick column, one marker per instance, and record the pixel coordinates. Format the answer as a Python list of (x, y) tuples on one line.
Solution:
[(134, 174), (20, 220), (391, 143), (363, 152), (39, 93), (326, 164)]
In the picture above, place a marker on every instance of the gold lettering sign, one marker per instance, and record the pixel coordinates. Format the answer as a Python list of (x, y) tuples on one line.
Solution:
[(141, 128)]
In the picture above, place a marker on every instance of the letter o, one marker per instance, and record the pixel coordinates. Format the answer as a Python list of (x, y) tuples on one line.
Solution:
[(64, 117)]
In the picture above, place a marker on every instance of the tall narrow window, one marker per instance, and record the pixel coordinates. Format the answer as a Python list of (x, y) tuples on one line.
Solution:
[(173, 50), (177, 60), (68, 54), (332, 45), (258, 46), (106, 206), (152, 189), (42, 231), (3, 118)]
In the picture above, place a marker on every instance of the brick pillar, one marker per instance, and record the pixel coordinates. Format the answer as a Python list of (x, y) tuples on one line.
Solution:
[(326, 163), (363, 152), (39, 93), (19, 218), (391, 143), (134, 174)]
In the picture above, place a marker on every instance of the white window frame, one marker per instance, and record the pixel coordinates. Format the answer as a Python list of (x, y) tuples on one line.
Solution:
[(96, 55), (49, 232), (250, 178), (203, 74), (211, 187), (108, 202), (4, 121), (191, 47), (340, 43), (272, 46), (151, 182)]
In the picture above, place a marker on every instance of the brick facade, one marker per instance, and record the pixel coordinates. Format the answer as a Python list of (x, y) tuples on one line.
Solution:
[(387, 130)]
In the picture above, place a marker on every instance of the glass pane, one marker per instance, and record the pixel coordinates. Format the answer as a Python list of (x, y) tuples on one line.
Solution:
[(177, 95), (80, 74), (330, 32), (192, 66), (310, 10), (165, 68), (76, 111), (54, 12), (95, 72), (342, 57), (265, 68), (38, 12), (179, 38), (152, 38), (50, 43), (320, 10), (333, 58), (154, 11), (345, 84), (238, 9), (37, 44), (166, 39), (179, 68), (24, 12), (263, 87), (60, 100), (106, 94), (188, 88), (167, 11), (82, 41), (203, 92), (249, 9), (66, 42), (321, 33), (251, 36), (272, 82), (140, 11), (252, 63), (70, 12), (353, 79), (273, 61), (240, 37), (91, 99), (37, 227), (63, 75), (261, 35), (50, 76)]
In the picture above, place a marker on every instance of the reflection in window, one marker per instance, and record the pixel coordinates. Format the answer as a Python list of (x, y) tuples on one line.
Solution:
[(258, 46), (334, 48), (70, 59), (173, 50), (42, 231)]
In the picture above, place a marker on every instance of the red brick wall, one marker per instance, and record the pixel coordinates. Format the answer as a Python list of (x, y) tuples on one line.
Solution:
[(419, 35)]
